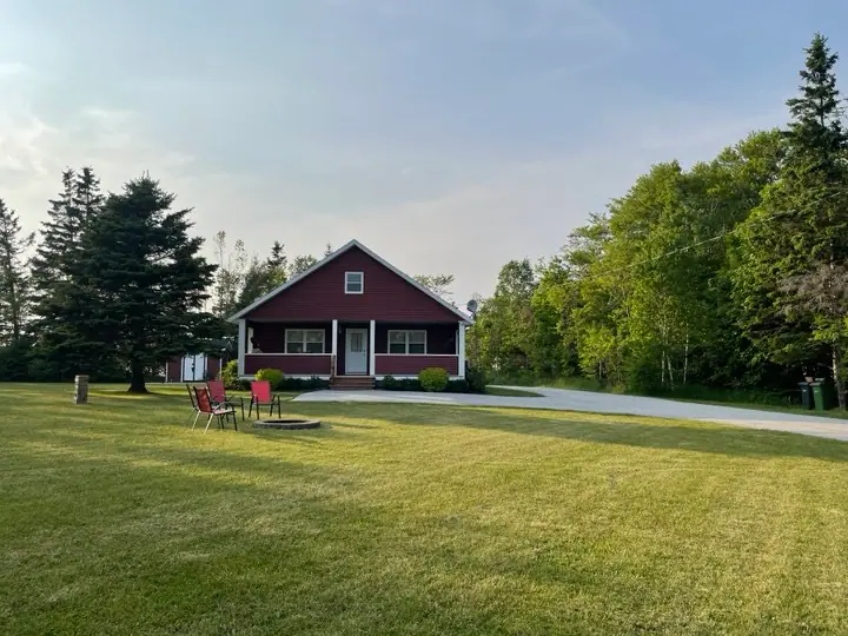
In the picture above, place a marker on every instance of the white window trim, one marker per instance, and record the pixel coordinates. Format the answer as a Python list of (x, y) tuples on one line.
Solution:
[(305, 338), (406, 333), (361, 283)]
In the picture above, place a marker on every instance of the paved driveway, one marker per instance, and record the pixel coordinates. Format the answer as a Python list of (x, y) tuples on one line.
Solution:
[(563, 400)]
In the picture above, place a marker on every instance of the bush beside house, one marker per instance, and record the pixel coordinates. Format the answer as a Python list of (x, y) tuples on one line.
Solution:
[(474, 382), (433, 379)]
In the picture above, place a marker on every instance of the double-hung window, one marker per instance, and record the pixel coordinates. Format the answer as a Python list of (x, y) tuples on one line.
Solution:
[(408, 342), (304, 341), (354, 282)]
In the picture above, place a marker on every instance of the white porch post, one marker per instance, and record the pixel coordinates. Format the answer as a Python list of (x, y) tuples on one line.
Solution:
[(460, 343), (242, 345), (372, 356), (335, 350)]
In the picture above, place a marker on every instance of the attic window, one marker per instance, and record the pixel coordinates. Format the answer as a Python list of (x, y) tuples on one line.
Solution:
[(354, 282)]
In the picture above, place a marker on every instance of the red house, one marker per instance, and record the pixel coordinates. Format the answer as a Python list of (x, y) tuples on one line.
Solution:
[(351, 317)]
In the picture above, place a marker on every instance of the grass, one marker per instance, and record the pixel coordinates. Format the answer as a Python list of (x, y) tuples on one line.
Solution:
[(503, 391), (402, 519)]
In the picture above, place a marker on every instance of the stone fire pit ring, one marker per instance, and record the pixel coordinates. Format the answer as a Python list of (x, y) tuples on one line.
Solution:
[(286, 424)]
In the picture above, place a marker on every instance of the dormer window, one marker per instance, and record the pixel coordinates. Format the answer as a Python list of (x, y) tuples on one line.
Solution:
[(354, 282)]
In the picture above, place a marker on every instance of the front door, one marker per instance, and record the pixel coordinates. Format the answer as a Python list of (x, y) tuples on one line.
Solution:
[(356, 351)]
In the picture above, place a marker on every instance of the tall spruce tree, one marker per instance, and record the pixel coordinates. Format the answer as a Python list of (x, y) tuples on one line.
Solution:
[(58, 307), (795, 246), (14, 283), (144, 280)]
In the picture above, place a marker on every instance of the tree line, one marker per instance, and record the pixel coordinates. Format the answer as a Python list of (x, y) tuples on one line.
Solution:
[(731, 273), (115, 284)]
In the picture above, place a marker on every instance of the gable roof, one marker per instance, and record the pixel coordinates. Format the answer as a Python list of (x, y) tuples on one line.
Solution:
[(331, 257)]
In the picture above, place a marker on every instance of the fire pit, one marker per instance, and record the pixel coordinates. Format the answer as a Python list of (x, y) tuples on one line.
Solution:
[(286, 424)]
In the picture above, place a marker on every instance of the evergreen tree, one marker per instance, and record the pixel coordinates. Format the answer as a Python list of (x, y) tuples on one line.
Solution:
[(801, 232), (277, 265), (300, 264), (278, 258), (144, 280), (14, 292), (59, 308)]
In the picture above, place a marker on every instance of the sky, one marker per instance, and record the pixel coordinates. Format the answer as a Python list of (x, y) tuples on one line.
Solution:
[(449, 136)]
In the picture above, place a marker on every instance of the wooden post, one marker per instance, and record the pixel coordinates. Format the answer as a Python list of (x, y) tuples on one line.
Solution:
[(81, 389)]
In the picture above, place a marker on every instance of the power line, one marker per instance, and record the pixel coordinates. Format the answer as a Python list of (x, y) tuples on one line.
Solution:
[(713, 239)]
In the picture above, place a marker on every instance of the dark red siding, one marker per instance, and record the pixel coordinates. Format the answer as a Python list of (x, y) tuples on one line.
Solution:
[(321, 296), (411, 365), (213, 366), (175, 370), (290, 365)]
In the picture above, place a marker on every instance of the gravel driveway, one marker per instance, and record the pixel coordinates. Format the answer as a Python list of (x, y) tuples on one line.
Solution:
[(563, 400)]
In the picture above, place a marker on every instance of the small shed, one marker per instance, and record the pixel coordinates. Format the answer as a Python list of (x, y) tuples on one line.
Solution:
[(192, 367)]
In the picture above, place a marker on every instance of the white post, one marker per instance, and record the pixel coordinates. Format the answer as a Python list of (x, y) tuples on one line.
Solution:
[(372, 356), (460, 344), (242, 345), (250, 339), (335, 351)]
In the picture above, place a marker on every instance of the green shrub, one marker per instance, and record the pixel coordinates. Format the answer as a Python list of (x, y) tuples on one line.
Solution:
[(433, 379), (274, 376), (303, 384), (476, 380), (457, 386), (230, 376), (395, 384)]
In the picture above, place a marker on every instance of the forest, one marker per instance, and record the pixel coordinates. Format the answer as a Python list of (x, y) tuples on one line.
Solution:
[(730, 274)]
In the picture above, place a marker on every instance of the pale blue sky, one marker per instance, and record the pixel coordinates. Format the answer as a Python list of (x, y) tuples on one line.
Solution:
[(447, 135)]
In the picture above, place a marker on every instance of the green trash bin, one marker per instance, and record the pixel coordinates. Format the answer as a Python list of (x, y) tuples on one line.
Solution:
[(806, 396), (818, 396)]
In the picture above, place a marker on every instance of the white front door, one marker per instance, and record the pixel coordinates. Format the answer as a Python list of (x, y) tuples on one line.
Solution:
[(356, 351), (194, 368)]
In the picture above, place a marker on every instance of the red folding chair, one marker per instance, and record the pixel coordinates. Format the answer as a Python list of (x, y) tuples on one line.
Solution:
[(195, 409), (260, 395), (205, 406), (218, 393)]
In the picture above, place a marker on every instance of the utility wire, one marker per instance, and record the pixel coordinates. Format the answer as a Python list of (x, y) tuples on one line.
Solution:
[(713, 239)]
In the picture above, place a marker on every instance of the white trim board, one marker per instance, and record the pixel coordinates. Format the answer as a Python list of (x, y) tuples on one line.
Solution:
[(344, 248)]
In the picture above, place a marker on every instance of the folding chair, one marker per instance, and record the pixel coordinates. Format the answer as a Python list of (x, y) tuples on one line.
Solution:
[(194, 406), (260, 395), (204, 404), (218, 393)]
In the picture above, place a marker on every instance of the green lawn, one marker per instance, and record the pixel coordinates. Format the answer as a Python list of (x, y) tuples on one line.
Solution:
[(510, 392), (395, 519)]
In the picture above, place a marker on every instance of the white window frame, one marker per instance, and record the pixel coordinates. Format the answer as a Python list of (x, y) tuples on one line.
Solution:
[(305, 341), (407, 333), (361, 282)]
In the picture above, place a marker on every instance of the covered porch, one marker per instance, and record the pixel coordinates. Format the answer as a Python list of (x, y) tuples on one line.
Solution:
[(347, 348)]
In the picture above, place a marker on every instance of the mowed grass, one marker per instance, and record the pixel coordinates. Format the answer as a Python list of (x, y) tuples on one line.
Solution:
[(396, 519)]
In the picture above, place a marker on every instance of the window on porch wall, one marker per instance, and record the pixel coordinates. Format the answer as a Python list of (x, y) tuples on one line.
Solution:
[(304, 341), (408, 342)]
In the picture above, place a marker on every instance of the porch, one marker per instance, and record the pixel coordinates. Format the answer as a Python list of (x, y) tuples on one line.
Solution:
[(339, 348)]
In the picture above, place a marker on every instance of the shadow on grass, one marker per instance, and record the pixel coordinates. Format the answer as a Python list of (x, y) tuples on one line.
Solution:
[(150, 534), (620, 430)]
